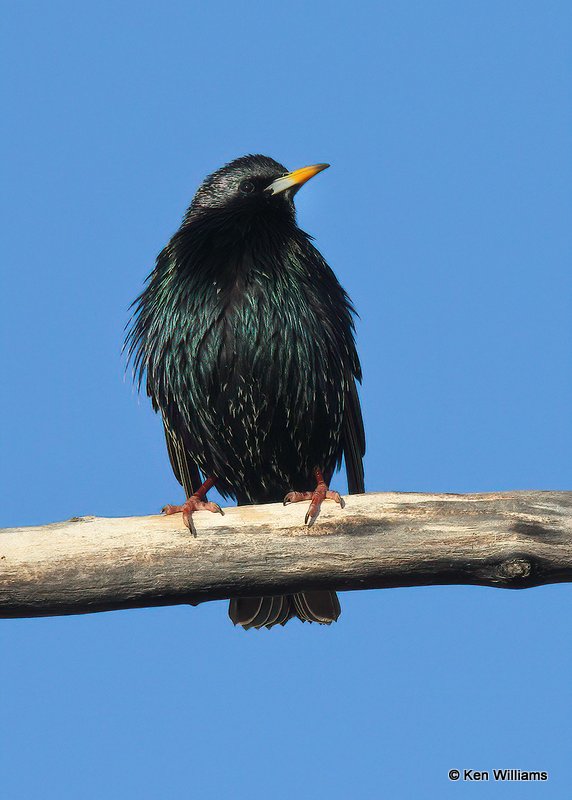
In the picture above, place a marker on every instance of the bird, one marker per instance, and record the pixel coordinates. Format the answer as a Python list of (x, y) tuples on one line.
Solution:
[(246, 341)]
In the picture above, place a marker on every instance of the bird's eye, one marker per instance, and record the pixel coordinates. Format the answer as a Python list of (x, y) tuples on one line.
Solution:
[(247, 187)]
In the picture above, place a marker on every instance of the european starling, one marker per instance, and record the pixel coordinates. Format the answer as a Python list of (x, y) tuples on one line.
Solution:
[(246, 340)]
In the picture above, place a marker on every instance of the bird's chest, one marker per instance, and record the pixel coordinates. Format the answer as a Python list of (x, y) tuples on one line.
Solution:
[(254, 339), (253, 329)]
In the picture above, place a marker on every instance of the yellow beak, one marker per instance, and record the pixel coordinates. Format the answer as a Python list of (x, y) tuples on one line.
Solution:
[(295, 179)]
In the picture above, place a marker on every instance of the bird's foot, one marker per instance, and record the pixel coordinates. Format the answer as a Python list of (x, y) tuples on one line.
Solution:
[(196, 502), (317, 497)]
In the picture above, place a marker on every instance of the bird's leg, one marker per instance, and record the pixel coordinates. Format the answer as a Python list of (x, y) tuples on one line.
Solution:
[(196, 502), (320, 493)]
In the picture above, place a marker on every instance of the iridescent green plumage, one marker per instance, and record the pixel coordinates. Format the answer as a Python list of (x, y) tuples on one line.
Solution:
[(246, 340)]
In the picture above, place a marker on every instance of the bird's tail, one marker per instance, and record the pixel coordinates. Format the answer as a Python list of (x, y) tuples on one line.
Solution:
[(259, 612)]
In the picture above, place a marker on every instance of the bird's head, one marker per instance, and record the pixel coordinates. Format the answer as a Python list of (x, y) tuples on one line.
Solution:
[(250, 186)]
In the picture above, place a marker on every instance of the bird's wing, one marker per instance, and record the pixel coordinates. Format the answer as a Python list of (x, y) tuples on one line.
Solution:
[(353, 440), (185, 469)]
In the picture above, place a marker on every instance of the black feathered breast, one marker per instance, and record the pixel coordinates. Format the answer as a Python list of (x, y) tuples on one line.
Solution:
[(246, 340)]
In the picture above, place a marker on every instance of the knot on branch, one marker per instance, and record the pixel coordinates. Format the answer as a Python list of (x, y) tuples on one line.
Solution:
[(515, 569)]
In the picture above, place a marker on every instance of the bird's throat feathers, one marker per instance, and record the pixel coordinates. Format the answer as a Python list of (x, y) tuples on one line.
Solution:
[(226, 251)]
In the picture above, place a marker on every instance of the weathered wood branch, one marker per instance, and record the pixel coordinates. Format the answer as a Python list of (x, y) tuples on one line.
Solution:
[(512, 540)]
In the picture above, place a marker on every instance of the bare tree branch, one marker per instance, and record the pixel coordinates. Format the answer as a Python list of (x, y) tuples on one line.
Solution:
[(511, 540)]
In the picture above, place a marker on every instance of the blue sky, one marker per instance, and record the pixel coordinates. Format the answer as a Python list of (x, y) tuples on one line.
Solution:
[(446, 215)]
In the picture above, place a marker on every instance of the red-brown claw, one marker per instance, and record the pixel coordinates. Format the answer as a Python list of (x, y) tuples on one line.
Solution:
[(296, 497), (336, 496), (193, 504), (317, 497)]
